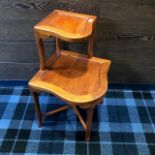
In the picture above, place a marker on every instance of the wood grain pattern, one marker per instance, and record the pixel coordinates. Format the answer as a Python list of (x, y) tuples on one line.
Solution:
[(68, 70), (125, 31), (23, 70), (16, 51), (81, 6)]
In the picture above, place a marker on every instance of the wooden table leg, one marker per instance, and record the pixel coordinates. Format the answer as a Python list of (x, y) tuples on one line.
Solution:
[(37, 107), (41, 50), (58, 46), (89, 122)]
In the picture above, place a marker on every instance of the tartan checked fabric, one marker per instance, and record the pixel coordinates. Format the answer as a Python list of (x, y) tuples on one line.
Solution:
[(123, 125)]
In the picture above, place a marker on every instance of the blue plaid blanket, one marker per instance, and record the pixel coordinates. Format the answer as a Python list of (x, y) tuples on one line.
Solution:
[(123, 125)]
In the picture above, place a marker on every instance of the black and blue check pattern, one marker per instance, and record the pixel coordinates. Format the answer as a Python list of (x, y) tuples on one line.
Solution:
[(123, 125)]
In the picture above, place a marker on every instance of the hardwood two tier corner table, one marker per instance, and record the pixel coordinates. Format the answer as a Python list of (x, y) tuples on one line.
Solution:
[(79, 80)]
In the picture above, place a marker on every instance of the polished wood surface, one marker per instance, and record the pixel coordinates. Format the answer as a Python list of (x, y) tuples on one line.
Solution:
[(80, 80), (73, 77), (66, 25)]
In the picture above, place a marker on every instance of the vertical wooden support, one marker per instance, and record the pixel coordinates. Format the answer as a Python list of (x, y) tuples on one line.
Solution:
[(41, 49), (90, 46), (58, 46), (37, 107), (89, 122), (91, 41)]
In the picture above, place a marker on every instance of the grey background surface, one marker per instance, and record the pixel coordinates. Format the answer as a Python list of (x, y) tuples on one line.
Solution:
[(125, 34)]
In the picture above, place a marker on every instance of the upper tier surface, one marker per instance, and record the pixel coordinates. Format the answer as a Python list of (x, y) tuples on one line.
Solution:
[(66, 25)]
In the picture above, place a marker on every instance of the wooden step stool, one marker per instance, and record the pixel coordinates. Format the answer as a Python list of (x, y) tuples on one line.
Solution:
[(78, 79)]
